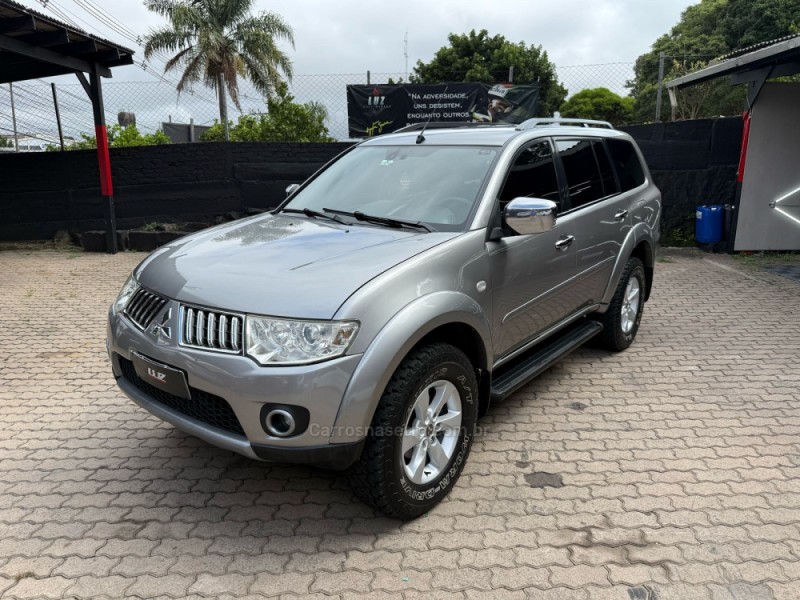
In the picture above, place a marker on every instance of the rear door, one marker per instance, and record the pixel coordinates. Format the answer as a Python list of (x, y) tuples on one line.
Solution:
[(601, 213)]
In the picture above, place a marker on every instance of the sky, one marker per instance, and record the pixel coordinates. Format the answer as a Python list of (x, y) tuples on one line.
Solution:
[(352, 37)]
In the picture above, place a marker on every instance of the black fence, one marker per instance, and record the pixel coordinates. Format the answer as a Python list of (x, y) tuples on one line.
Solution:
[(693, 162), (45, 192)]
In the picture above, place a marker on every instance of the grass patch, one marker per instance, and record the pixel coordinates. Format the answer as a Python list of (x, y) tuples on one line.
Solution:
[(759, 260), (24, 575), (678, 238)]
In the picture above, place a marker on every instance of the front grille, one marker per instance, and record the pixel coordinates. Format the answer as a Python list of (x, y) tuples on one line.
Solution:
[(143, 307), (211, 330), (205, 407)]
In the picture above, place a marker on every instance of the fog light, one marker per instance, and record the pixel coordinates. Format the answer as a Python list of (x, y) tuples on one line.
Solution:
[(283, 420)]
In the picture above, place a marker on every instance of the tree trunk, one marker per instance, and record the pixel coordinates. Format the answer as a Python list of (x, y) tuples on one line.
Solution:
[(223, 105)]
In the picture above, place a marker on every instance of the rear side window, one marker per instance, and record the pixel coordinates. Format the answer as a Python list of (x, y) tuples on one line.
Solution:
[(606, 172), (533, 175), (583, 175), (626, 161)]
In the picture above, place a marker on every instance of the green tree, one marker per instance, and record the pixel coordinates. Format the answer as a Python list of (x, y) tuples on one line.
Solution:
[(218, 41), (119, 137), (483, 58), (285, 121), (599, 103), (707, 30), (6, 143)]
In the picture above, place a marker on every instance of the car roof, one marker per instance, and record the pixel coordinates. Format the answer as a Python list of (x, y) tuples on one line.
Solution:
[(489, 135)]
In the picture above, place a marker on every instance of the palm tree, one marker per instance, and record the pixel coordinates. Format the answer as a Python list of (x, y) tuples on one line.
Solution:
[(217, 41)]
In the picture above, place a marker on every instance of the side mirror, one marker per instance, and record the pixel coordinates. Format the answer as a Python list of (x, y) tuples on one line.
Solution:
[(527, 216), (291, 189)]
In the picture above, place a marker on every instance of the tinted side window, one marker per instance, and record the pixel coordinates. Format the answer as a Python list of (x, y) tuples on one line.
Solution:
[(580, 167), (626, 161), (533, 175), (606, 172)]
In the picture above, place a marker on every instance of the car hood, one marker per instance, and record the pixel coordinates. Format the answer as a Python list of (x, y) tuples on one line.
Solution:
[(279, 265)]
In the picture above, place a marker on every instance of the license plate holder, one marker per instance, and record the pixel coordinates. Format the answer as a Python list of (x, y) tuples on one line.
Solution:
[(160, 376)]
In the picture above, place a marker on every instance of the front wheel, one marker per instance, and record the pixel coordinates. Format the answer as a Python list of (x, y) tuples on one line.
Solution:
[(621, 320), (421, 433)]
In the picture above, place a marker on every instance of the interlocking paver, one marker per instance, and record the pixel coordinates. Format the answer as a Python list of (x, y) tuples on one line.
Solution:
[(680, 473)]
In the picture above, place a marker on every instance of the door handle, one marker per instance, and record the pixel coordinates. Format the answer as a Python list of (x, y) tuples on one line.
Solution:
[(565, 242), (620, 216)]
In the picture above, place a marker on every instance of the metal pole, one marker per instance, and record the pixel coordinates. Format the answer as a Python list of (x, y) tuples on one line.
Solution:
[(191, 130), (58, 116), (103, 159), (368, 74), (14, 117), (662, 57), (511, 74)]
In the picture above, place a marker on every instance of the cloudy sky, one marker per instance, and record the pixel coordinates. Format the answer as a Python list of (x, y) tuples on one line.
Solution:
[(351, 36), (348, 38)]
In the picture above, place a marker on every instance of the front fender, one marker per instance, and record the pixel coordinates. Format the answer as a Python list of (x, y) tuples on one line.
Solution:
[(641, 232), (390, 347)]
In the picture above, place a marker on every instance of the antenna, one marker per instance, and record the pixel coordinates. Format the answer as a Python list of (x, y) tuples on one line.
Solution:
[(405, 52), (421, 136)]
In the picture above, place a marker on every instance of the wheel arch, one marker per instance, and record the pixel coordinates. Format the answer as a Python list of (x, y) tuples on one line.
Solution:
[(639, 243), (449, 317), (644, 252)]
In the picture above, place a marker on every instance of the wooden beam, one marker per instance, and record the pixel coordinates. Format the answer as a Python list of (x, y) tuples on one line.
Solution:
[(48, 56), (17, 23), (781, 70), (77, 48), (45, 38), (85, 83)]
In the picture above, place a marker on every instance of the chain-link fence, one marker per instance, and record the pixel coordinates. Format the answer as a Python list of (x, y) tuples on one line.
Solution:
[(157, 102)]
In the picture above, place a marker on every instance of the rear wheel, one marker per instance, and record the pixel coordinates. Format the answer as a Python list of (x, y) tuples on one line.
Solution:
[(621, 320), (421, 433)]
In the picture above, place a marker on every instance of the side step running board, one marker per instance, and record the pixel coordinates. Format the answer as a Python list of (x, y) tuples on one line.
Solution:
[(542, 358)]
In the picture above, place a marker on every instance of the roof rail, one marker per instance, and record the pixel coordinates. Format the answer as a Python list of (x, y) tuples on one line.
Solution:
[(447, 125), (531, 123)]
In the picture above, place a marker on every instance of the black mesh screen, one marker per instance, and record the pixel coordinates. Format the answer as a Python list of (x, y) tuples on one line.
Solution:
[(205, 407)]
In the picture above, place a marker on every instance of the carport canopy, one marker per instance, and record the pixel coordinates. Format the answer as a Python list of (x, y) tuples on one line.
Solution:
[(754, 66), (33, 45)]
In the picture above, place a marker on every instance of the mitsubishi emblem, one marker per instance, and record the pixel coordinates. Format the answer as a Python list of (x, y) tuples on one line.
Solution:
[(160, 330)]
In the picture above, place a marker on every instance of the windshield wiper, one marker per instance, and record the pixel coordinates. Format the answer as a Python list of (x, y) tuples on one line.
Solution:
[(397, 223), (313, 213)]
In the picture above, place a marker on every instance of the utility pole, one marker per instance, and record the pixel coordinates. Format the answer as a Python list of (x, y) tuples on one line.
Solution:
[(13, 117), (58, 116), (661, 59), (405, 53), (511, 74)]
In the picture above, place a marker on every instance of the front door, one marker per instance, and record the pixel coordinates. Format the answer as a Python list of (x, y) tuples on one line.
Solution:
[(532, 275)]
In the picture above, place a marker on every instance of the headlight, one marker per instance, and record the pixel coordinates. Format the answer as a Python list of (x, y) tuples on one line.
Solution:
[(125, 294), (283, 341)]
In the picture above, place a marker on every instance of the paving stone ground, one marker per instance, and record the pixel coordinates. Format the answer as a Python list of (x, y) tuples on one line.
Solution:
[(667, 472)]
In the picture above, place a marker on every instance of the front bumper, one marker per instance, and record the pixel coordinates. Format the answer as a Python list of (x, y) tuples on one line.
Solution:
[(246, 387)]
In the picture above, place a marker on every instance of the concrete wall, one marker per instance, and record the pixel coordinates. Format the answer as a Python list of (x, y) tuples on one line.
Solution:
[(769, 212)]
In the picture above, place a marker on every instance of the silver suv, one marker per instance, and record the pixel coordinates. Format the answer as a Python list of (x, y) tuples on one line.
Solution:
[(367, 322)]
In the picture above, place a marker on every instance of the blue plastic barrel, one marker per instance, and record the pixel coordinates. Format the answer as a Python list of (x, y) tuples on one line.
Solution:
[(708, 224)]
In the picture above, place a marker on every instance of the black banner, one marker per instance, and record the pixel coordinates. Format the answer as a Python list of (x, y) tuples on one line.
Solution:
[(376, 109)]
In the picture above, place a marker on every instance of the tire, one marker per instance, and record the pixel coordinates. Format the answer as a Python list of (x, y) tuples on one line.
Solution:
[(619, 330), (407, 484)]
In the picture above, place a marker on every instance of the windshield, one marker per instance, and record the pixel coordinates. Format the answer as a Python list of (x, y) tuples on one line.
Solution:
[(435, 185)]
